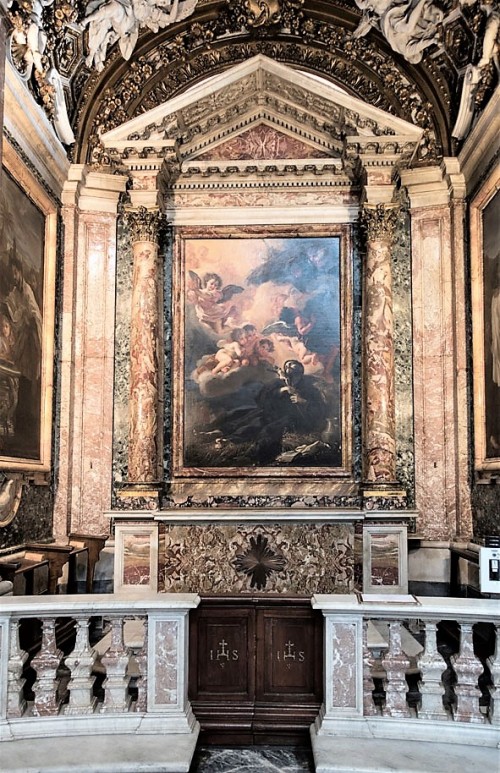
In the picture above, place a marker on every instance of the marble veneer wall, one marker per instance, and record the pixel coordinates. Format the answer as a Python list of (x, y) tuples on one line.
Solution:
[(271, 557), (403, 358)]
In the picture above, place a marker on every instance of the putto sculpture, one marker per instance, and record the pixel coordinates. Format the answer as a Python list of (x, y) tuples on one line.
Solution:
[(409, 26), (110, 21), (473, 73)]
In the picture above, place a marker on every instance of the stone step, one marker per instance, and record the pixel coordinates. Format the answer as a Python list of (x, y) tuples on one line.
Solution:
[(132, 753), (337, 754)]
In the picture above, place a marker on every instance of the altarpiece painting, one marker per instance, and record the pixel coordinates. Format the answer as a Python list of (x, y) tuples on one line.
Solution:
[(262, 346), (27, 263)]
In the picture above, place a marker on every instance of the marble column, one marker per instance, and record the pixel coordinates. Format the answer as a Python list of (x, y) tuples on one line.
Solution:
[(379, 455), (144, 456), (4, 23)]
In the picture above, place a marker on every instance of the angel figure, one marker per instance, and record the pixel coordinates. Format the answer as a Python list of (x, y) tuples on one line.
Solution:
[(212, 300), (409, 26), (119, 20), (109, 21)]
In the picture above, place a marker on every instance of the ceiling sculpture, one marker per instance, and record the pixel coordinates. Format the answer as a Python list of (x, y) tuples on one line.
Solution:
[(95, 65)]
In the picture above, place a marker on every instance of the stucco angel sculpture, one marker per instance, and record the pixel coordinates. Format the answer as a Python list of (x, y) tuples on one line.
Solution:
[(120, 20), (409, 26)]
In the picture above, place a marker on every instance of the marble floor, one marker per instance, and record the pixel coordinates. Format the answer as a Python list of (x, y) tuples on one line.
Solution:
[(255, 759)]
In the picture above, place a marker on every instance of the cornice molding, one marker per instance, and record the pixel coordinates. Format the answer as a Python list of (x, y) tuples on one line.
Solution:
[(427, 187)]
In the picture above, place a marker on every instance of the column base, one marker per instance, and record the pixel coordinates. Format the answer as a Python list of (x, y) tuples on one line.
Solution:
[(147, 493), (392, 491)]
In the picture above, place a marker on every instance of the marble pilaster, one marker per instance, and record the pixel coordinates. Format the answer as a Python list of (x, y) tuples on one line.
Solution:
[(87, 343), (144, 445), (439, 333), (379, 466)]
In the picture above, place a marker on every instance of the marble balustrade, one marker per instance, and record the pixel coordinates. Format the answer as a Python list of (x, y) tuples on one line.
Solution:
[(132, 678), (410, 667), (395, 667)]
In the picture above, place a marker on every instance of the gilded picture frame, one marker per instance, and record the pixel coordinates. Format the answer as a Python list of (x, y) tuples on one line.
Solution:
[(28, 243), (485, 287), (262, 354)]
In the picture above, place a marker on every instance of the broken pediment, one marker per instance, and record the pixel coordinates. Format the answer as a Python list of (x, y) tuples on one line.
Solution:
[(262, 110)]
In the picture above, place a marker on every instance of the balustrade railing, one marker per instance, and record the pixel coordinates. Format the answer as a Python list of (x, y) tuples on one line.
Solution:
[(395, 664), (93, 662), (393, 667)]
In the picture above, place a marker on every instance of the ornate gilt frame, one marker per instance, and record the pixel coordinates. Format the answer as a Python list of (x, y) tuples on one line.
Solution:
[(31, 187), (484, 463), (281, 480)]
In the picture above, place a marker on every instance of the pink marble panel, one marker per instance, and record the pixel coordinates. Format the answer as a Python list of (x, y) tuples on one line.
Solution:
[(84, 489), (263, 142), (166, 661), (321, 195), (439, 348), (344, 665)]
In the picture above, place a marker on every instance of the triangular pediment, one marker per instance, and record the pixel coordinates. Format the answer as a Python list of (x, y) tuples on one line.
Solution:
[(262, 109), (263, 142)]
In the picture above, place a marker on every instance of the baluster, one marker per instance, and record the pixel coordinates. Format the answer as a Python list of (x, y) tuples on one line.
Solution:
[(431, 666), (396, 664), (81, 663), (369, 707), (142, 665), (116, 659), (16, 704), (46, 664), (494, 665), (468, 670)]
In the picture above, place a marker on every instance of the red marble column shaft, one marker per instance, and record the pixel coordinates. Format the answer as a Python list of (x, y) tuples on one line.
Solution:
[(379, 458), (4, 23), (143, 454)]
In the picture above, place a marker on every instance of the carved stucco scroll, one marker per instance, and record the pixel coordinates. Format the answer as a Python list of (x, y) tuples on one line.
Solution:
[(11, 489)]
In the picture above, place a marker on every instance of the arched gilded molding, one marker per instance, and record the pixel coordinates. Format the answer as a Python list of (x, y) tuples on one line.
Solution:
[(168, 63)]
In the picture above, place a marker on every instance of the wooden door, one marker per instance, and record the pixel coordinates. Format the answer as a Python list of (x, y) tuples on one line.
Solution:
[(255, 670)]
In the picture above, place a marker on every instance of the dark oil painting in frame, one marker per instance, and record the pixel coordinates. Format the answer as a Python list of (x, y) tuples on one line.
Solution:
[(261, 346), (27, 259)]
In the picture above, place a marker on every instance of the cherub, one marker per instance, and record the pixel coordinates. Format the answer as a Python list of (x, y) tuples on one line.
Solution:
[(211, 300), (231, 354), (289, 330), (262, 352)]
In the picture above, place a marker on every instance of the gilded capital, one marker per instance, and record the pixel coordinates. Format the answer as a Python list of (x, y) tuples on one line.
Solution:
[(144, 224), (379, 221)]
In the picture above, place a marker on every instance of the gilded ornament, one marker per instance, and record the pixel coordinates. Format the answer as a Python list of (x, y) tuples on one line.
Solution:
[(380, 221), (263, 12), (143, 224)]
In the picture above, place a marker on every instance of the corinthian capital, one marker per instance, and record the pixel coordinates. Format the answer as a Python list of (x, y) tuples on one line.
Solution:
[(143, 224), (379, 221)]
